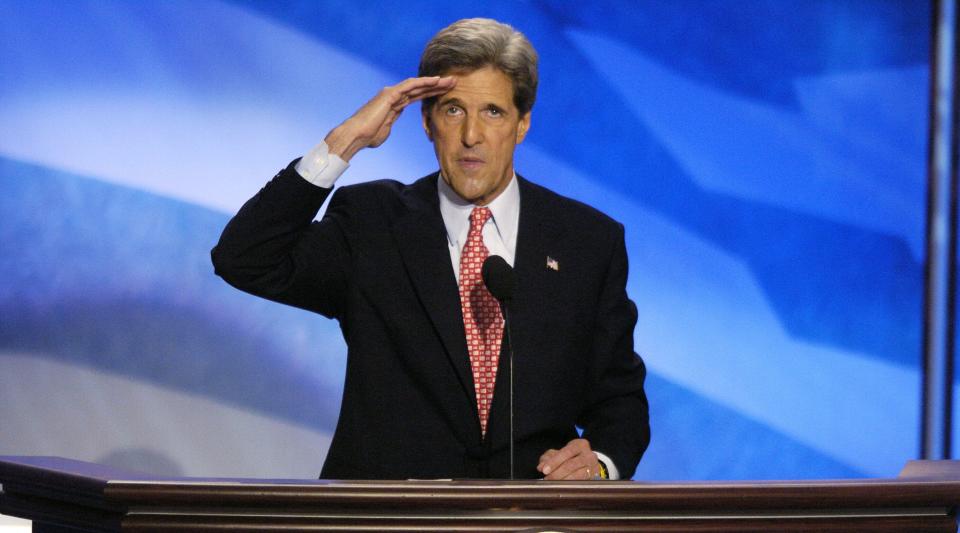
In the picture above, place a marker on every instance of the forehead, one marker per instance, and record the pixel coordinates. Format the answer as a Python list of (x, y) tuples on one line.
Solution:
[(487, 85)]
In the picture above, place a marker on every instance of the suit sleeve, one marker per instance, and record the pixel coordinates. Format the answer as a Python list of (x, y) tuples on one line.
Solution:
[(274, 249), (616, 419)]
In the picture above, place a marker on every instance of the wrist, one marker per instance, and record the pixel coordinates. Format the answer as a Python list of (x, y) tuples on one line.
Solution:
[(320, 167), (342, 143)]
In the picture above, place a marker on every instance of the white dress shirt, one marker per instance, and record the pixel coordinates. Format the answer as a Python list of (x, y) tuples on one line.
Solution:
[(500, 231)]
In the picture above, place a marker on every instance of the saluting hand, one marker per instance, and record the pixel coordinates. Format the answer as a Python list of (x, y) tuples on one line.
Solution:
[(370, 125)]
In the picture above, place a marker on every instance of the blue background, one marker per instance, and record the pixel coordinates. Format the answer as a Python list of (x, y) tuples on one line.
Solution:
[(766, 157)]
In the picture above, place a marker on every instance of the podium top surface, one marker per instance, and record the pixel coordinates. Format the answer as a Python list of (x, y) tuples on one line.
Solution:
[(88, 497), (921, 483)]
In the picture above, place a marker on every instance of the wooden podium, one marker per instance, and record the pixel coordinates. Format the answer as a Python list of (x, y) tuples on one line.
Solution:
[(66, 496)]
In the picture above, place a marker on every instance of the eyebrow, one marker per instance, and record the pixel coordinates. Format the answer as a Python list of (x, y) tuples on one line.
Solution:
[(450, 100)]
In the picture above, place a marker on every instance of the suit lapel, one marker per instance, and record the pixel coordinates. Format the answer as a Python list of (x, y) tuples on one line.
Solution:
[(422, 240), (537, 232)]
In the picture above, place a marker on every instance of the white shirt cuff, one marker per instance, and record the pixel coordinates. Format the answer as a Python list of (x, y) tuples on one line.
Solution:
[(612, 471), (320, 167)]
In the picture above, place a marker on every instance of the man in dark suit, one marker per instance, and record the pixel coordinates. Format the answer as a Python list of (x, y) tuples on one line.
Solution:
[(398, 265)]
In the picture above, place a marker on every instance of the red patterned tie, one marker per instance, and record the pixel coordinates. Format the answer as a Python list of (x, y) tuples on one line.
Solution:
[(482, 320)]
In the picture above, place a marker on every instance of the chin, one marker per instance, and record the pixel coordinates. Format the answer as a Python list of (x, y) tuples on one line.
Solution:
[(472, 198), (468, 193)]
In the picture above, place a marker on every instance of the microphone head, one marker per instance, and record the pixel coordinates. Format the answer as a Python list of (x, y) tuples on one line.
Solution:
[(499, 278)]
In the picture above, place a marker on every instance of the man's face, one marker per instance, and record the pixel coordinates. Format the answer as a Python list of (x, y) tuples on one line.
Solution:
[(474, 129)]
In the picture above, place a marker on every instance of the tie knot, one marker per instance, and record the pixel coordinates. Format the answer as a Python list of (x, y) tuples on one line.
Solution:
[(479, 216)]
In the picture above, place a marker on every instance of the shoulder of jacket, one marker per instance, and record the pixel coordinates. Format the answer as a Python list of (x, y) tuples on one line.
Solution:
[(576, 211)]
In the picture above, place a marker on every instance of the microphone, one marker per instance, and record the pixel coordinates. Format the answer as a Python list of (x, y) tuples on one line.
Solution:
[(500, 280)]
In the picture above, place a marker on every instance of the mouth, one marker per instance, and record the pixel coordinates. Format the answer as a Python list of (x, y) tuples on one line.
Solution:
[(470, 162)]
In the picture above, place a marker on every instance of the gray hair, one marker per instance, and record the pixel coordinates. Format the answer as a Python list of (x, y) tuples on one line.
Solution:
[(471, 44)]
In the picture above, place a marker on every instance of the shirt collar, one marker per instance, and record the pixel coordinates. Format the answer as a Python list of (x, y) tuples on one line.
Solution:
[(456, 213)]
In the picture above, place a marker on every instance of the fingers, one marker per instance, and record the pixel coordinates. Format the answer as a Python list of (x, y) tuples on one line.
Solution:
[(391, 101), (413, 89), (425, 84), (576, 460)]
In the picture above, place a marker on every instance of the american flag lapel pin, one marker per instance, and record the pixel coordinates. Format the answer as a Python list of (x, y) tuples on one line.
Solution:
[(553, 264)]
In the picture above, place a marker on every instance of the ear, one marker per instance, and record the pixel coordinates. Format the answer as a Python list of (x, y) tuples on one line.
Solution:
[(425, 120), (523, 127)]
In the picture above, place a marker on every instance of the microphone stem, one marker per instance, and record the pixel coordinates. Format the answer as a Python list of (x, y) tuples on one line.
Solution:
[(506, 327)]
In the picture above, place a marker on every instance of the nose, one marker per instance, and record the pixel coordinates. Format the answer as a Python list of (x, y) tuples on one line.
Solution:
[(472, 131)]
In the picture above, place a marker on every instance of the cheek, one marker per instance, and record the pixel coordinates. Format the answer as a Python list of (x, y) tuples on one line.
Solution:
[(442, 146)]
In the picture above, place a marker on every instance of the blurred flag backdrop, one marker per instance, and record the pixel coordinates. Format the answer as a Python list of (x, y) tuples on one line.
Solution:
[(767, 158)]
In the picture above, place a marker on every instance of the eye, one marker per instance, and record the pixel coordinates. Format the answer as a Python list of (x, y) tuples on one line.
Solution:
[(495, 112), (453, 111)]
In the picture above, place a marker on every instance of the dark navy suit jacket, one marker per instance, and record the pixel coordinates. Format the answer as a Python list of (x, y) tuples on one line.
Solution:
[(378, 262)]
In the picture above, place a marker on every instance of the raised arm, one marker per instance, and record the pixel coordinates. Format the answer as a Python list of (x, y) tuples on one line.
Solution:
[(272, 248)]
